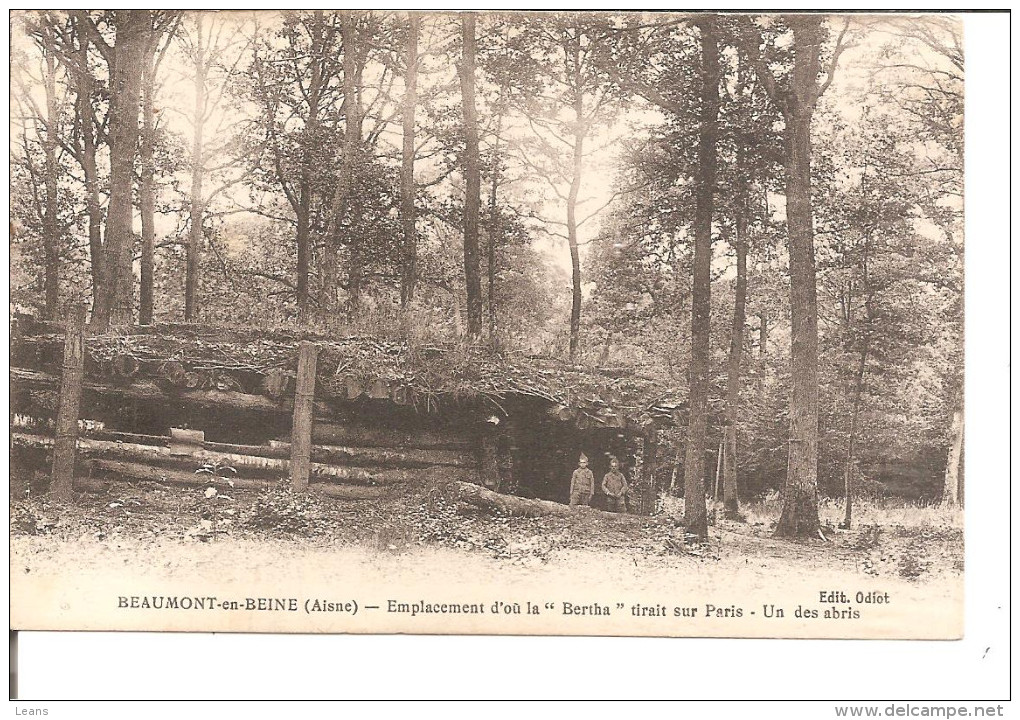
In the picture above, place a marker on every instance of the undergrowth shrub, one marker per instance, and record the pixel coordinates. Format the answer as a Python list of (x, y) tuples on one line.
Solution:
[(285, 511), (27, 520), (868, 538), (763, 510), (912, 562)]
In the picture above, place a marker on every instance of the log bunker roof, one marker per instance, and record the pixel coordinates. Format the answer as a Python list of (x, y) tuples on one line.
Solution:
[(425, 374)]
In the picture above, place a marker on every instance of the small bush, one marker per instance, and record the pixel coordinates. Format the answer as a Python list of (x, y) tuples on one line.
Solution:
[(868, 538), (285, 511), (27, 520), (912, 563)]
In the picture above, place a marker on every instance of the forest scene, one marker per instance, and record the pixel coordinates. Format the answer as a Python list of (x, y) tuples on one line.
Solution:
[(722, 252)]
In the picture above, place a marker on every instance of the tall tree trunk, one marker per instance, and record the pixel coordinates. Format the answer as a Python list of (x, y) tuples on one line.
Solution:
[(83, 87), (472, 178), (730, 494), (952, 490), (695, 512), (51, 224), (855, 410), (197, 179), (407, 210), (303, 217), (575, 258), (800, 497), (94, 208), (352, 143), (146, 189), (132, 28), (304, 185), (572, 53), (495, 230)]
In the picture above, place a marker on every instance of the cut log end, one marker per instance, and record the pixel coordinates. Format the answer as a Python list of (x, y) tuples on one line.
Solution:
[(124, 365), (277, 383), (379, 389)]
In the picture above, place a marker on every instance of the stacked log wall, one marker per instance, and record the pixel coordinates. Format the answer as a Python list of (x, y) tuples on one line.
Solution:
[(150, 458), (368, 432)]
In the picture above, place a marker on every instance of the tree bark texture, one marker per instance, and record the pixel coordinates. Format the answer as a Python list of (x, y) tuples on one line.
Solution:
[(146, 188), (572, 49), (66, 436), (731, 502), (353, 66), (304, 185), (51, 223), (648, 462), (84, 87), (951, 493), (407, 191), (695, 511), (194, 248), (132, 31), (495, 231), (800, 496), (855, 409), (301, 436), (472, 179)]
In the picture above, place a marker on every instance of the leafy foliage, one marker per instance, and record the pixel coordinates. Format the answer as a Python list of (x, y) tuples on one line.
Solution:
[(283, 511)]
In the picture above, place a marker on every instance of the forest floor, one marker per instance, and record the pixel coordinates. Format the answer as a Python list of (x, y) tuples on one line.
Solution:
[(158, 533)]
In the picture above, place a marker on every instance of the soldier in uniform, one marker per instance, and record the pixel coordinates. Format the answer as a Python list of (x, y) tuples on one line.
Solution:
[(614, 485), (582, 483)]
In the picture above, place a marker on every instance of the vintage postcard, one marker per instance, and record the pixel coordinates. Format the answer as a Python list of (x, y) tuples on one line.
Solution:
[(578, 323)]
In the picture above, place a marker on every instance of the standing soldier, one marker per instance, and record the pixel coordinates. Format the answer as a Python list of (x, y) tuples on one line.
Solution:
[(582, 483), (614, 485)]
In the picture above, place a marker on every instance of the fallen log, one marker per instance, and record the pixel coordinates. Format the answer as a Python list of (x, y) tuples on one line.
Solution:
[(388, 457), (86, 429), (184, 441), (140, 471), (134, 443), (509, 504), (126, 437), (136, 471), (243, 465), (328, 433), (151, 391), (525, 507)]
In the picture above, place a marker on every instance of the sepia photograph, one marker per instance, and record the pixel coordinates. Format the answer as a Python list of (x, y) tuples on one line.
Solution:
[(487, 323)]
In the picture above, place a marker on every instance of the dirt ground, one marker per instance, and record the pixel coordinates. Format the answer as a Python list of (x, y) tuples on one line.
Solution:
[(428, 544)]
